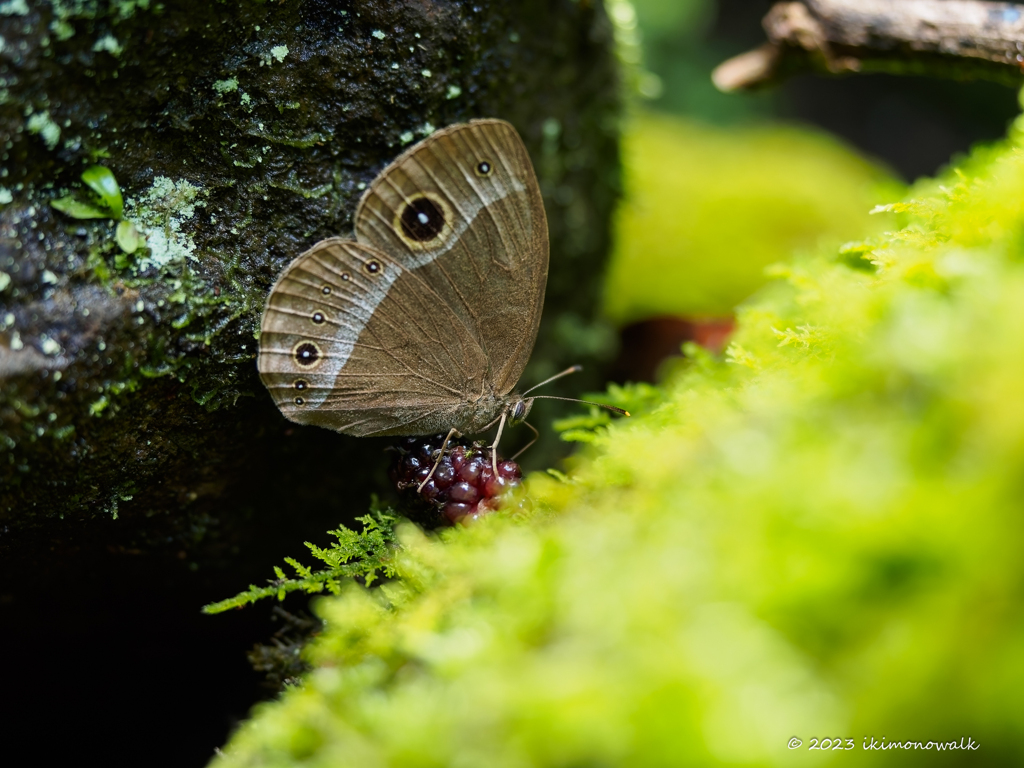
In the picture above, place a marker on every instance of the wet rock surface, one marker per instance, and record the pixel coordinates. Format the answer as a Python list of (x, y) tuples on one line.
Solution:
[(239, 135)]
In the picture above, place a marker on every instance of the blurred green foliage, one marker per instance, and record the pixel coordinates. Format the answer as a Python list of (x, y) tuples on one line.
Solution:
[(816, 536), (708, 208), (678, 56)]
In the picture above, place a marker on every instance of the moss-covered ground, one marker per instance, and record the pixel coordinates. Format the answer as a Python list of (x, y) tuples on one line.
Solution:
[(817, 535)]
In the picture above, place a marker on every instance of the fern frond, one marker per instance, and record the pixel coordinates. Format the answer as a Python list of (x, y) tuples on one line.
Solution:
[(367, 555)]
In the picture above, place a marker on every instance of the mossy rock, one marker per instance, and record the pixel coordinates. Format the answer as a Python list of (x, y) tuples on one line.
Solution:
[(238, 134)]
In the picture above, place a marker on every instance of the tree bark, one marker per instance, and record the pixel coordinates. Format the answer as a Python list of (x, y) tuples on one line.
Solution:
[(239, 134), (962, 39)]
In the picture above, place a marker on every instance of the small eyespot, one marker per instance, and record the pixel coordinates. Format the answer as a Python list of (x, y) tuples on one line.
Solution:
[(318, 317), (299, 401), (301, 384), (306, 354), (372, 267), (483, 168), (326, 290), (346, 276)]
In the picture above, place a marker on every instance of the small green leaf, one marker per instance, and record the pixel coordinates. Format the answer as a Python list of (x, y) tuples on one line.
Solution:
[(79, 210), (128, 236), (101, 180)]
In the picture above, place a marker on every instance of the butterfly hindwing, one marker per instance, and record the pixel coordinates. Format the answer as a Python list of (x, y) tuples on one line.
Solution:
[(351, 341)]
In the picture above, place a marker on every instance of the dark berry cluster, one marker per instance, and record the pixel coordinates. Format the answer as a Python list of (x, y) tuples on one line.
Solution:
[(463, 486)]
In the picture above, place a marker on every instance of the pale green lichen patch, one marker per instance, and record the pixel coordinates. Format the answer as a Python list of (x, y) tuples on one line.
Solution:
[(5, 196), (159, 214), (109, 44), (277, 53), (14, 8), (378, 34), (40, 123), (226, 86), (454, 92), (66, 10), (62, 29)]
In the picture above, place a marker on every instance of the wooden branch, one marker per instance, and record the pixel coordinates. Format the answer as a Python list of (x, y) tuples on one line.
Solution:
[(961, 39)]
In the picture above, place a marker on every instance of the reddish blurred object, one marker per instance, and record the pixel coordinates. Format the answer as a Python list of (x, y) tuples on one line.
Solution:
[(645, 345)]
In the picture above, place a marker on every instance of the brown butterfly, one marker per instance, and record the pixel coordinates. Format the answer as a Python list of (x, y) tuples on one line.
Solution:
[(424, 322)]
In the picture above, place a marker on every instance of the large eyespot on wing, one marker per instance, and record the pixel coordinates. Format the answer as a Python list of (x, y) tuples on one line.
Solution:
[(463, 209), (421, 205), (350, 342)]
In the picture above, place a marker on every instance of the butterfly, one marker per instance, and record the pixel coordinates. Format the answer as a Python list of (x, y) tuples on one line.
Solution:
[(424, 321)]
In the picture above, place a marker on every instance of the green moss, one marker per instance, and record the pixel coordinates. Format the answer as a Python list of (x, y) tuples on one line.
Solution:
[(817, 535)]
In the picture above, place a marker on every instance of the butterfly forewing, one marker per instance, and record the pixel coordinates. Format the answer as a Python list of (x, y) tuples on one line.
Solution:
[(464, 211)]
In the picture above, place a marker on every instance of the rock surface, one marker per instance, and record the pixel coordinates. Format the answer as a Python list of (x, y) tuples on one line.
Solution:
[(239, 134)]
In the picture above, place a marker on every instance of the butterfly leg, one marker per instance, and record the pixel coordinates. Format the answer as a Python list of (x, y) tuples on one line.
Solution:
[(494, 446), (440, 455), (536, 437)]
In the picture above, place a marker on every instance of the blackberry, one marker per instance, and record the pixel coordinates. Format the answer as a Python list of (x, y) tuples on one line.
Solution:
[(463, 486)]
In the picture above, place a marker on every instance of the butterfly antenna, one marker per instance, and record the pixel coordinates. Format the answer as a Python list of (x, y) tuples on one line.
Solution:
[(566, 372), (587, 402)]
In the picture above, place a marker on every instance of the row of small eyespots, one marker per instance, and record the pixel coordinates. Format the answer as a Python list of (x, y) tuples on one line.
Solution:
[(371, 267), (307, 353), (318, 317)]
